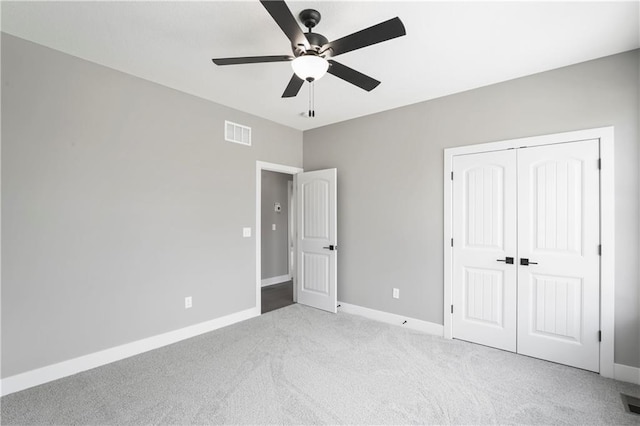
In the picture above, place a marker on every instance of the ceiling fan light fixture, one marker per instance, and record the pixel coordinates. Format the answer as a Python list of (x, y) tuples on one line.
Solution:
[(310, 67)]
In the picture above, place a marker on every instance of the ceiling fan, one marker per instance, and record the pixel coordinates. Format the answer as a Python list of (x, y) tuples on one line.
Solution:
[(311, 51)]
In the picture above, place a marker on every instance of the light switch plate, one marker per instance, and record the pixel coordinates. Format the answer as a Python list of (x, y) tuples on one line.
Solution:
[(246, 232), (273, 226)]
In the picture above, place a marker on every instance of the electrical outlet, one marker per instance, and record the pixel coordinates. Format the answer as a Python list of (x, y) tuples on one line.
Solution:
[(246, 232), (188, 302), (396, 293)]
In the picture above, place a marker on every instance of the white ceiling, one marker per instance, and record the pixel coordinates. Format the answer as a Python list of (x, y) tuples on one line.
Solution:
[(449, 47)]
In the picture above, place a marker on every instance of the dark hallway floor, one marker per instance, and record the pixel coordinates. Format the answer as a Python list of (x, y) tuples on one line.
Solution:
[(277, 296)]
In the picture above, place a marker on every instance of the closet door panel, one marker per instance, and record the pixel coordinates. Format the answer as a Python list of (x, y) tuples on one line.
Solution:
[(558, 265), (484, 284)]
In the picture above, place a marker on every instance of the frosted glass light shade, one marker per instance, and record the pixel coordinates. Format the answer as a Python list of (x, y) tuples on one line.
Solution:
[(310, 67)]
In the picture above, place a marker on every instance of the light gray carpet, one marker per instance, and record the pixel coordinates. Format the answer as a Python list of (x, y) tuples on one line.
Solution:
[(298, 365)]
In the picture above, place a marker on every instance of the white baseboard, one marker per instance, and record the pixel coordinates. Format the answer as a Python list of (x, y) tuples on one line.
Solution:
[(626, 373), (412, 323), (622, 372), (62, 369), (76, 365), (275, 280)]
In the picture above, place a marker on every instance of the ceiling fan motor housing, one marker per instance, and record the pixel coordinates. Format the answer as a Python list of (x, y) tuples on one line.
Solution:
[(310, 18), (316, 41)]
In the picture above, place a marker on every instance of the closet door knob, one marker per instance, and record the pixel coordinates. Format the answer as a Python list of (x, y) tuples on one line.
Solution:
[(525, 262), (508, 260)]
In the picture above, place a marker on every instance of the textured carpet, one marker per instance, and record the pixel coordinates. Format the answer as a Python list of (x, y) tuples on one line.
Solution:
[(298, 365)]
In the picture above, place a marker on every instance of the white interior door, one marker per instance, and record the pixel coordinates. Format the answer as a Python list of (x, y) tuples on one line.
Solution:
[(484, 249), (559, 236), (316, 241)]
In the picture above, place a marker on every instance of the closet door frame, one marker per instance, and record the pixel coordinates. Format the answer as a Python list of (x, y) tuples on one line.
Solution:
[(607, 226)]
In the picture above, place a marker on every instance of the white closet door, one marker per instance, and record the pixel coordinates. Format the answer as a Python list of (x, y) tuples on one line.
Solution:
[(484, 284), (558, 232)]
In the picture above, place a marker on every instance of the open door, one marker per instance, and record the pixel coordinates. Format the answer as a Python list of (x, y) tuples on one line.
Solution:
[(316, 240)]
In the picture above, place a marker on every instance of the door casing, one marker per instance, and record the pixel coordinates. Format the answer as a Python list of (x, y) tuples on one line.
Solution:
[(607, 226), (280, 168)]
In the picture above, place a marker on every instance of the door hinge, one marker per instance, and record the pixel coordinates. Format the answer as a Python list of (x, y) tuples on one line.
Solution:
[(599, 249), (452, 242), (599, 163), (451, 175), (599, 335), (451, 308)]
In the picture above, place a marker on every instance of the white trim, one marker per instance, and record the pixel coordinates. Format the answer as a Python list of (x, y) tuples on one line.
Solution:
[(76, 365), (626, 373), (260, 166), (290, 228), (448, 236), (607, 226), (275, 280), (607, 259), (412, 323)]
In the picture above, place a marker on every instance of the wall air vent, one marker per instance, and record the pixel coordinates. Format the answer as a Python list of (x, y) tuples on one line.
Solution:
[(237, 133)]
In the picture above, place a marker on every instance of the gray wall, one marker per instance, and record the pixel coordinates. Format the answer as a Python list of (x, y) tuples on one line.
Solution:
[(390, 191), (119, 198), (275, 244)]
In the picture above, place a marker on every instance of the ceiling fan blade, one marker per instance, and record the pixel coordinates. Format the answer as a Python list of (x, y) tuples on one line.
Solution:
[(378, 33), (293, 87), (280, 13), (252, 60), (352, 76)]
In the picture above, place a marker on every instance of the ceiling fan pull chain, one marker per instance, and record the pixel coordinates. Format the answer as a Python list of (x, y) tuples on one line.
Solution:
[(309, 100), (313, 99), (312, 112)]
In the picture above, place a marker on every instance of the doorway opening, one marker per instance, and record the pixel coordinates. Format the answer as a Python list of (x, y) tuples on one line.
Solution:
[(277, 296), (276, 277), (275, 240)]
